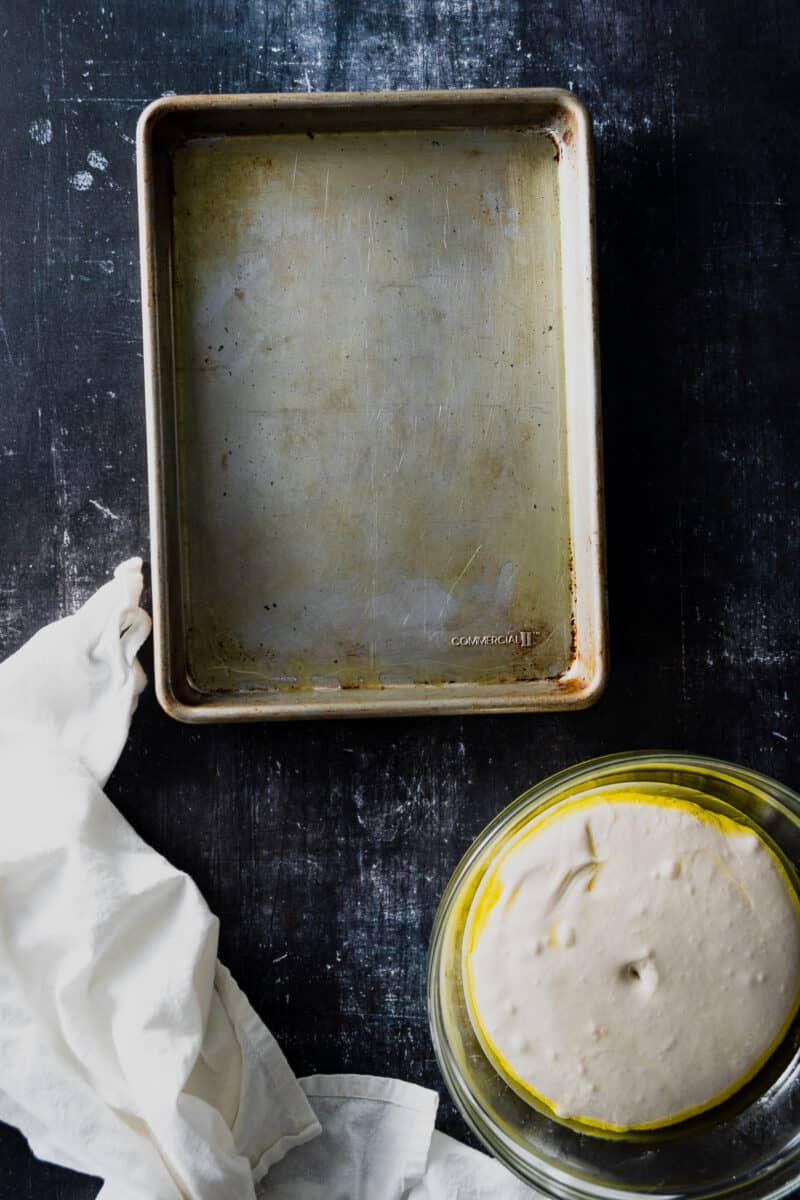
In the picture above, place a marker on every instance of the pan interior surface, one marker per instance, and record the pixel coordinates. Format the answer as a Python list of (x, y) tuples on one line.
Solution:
[(370, 409)]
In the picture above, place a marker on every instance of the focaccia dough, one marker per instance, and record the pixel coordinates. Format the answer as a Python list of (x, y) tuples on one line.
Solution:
[(631, 960)]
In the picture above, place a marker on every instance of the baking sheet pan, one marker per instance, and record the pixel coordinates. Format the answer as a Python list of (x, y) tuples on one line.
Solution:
[(372, 403)]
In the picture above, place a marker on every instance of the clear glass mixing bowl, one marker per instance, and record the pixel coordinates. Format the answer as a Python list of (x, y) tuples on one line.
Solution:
[(749, 1145)]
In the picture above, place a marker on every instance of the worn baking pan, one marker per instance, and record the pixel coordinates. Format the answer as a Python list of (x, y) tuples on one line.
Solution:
[(373, 431)]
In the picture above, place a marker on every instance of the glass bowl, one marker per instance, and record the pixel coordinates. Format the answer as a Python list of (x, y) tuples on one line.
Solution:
[(748, 1145)]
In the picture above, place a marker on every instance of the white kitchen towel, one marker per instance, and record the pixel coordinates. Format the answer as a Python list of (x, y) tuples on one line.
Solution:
[(126, 1050)]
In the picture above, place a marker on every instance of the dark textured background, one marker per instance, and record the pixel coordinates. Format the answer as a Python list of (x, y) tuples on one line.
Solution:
[(324, 847)]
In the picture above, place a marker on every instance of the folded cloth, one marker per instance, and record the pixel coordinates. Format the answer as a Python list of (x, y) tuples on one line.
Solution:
[(378, 1143), (126, 1050)]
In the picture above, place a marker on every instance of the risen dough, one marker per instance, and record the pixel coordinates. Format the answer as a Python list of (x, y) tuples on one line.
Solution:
[(631, 959)]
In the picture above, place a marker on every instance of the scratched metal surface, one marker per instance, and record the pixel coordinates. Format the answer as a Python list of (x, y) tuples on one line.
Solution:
[(370, 365), (324, 847)]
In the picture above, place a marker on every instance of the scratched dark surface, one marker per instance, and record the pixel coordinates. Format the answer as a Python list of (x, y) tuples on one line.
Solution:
[(324, 847)]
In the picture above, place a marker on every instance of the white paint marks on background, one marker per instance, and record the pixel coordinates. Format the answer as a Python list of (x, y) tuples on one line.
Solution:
[(106, 266), (112, 516), (41, 131), (97, 160), (82, 181)]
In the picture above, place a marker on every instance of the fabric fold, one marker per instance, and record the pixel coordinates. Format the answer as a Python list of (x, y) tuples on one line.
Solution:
[(78, 679), (376, 1136)]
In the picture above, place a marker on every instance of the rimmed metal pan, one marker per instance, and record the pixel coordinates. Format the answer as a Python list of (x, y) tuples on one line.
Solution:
[(372, 403)]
